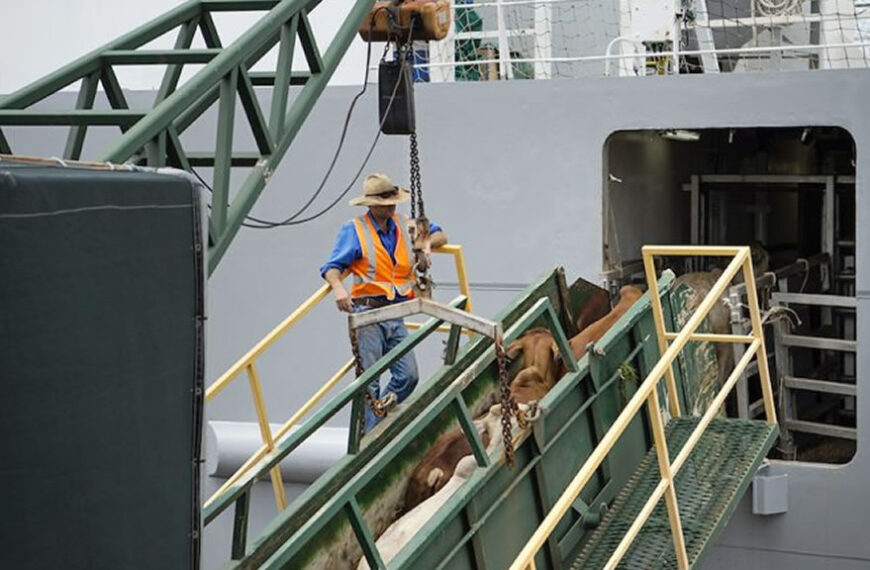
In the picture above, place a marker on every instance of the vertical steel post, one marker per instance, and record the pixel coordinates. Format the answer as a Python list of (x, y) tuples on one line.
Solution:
[(223, 152), (281, 89)]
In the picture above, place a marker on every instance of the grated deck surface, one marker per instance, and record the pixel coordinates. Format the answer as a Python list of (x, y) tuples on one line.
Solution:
[(709, 485)]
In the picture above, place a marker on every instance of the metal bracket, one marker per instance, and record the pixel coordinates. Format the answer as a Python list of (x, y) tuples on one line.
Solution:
[(429, 307)]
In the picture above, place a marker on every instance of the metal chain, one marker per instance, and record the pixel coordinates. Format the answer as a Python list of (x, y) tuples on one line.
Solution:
[(376, 405), (416, 183), (507, 402)]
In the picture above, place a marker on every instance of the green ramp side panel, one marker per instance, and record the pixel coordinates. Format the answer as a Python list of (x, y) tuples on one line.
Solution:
[(491, 516)]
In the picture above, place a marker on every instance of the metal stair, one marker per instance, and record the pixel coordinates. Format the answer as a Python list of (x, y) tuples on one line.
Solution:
[(709, 487)]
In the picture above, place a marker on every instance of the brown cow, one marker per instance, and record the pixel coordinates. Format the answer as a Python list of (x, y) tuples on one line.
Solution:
[(719, 317), (596, 307), (530, 384), (593, 333), (539, 352), (437, 467)]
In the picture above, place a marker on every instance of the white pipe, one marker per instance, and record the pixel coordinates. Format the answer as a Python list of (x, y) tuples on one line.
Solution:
[(505, 70), (230, 444), (613, 42)]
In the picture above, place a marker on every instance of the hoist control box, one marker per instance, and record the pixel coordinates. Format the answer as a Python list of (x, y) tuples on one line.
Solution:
[(396, 97)]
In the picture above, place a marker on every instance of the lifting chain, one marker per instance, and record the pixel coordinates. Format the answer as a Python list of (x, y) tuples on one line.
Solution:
[(416, 184), (419, 230), (378, 408), (509, 406)]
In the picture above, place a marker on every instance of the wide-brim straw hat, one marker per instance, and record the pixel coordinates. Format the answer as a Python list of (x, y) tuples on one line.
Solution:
[(379, 190)]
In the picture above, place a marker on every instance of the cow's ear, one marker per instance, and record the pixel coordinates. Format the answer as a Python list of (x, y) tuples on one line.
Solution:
[(514, 349), (435, 477)]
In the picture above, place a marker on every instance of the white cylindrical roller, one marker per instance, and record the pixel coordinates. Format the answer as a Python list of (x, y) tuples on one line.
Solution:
[(230, 444)]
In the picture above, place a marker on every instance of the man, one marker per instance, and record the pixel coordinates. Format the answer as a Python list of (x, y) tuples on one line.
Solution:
[(375, 247)]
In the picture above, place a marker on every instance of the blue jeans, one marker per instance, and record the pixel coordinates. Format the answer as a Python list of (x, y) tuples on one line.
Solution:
[(374, 342)]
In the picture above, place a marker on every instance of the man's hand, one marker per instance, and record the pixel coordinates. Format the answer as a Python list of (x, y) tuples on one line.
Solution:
[(342, 299), (437, 239)]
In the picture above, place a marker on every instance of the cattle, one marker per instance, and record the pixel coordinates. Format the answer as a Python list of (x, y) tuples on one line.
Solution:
[(596, 307), (593, 333), (438, 465), (529, 386), (537, 377), (719, 317), (539, 352), (403, 530)]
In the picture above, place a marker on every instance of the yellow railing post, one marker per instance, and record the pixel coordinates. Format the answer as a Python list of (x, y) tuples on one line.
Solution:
[(266, 433), (659, 321)]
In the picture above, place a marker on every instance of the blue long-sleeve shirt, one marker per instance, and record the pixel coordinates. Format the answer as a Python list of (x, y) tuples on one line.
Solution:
[(348, 249)]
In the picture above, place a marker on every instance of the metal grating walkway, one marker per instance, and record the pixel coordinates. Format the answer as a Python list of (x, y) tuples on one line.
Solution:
[(709, 485)]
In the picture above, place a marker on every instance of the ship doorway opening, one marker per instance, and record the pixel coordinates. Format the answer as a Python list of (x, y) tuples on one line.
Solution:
[(789, 192)]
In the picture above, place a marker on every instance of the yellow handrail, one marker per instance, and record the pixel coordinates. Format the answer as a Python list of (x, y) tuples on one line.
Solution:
[(247, 363), (648, 393)]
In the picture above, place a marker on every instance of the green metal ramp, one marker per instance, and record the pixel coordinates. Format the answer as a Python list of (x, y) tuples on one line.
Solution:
[(486, 522), (709, 487)]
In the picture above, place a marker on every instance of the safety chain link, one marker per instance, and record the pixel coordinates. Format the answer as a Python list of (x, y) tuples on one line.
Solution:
[(416, 183), (376, 405), (509, 406)]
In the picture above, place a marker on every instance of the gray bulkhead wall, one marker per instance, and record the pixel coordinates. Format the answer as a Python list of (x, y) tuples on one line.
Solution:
[(514, 172)]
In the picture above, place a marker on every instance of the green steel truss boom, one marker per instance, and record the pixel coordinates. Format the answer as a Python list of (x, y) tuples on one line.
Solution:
[(152, 136)]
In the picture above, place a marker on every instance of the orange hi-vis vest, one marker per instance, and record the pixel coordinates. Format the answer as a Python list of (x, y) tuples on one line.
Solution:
[(375, 274)]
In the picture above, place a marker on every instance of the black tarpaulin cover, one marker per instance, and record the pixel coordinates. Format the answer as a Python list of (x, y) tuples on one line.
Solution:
[(101, 306)]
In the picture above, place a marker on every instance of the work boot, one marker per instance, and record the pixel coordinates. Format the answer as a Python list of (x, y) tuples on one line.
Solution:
[(388, 402)]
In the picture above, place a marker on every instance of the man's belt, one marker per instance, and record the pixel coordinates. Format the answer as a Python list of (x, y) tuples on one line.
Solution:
[(371, 302)]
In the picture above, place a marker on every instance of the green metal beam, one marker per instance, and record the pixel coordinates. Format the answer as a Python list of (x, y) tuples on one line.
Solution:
[(282, 77), (209, 30), (175, 152), (269, 78), (298, 112), (4, 144), (173, 72), (159, 56), (153, 135), (363, 534), (223, 151), (76, 138), (251, 106), (309, 45), (88, 117), (238, 159), (89, 63), (113, 90), (225, 63), (239, 5)]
